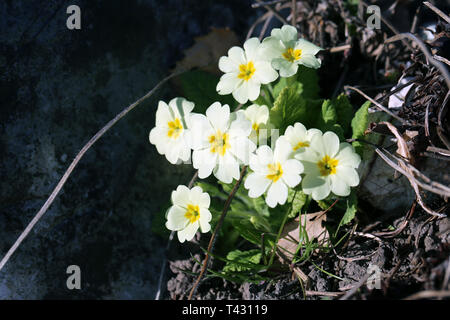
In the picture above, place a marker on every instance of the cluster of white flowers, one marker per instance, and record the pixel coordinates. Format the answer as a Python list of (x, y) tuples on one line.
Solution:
[(221, 141), (246, 69)]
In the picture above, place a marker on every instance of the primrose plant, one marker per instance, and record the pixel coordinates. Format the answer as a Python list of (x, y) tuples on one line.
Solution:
[(307, 157)]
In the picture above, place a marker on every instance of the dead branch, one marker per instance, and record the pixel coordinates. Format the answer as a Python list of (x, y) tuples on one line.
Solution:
[(74, 163)]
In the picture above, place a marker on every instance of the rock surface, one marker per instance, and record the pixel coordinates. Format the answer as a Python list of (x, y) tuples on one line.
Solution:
[(58, 87)]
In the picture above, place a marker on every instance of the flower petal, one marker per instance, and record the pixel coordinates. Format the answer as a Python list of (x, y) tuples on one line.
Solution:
[(347, 155), (188, 233), (228, 83), (237, 55), (264, 72), (240, 94), (338, 186), (310, 61), (253, 88), (226, 64), (282, 150), (271, 48), (287, 33), (176, 219), (347, 174), (318, 187), (308, 48), (227, 169), (218, 115), (200, 131), (205, 161), (158, 137), (251, 47), (277, 193), (331, 143), (198, 197), (205, 218), (163, 115), (291, 172), (256, 184), (285, 67), (180, 196), (259, 161)]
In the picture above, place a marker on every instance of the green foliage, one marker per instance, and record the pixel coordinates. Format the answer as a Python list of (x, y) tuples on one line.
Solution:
[(289, 107), (296, 98), (352, 6), (298, 199), (242, 260), (344, 112), (305, 82), (246, 217), (200, 87), (350, 212), (359, 126)]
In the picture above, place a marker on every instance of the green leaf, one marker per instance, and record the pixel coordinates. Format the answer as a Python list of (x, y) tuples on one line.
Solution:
[(359, 125), (344, 111), (329, 115), (336, 128), (298, 199), (200, 87), (352, 202), (310, 82), (239, 261), (306, 83), (290, 107), (287, 82), (327, 120), (247, 230)]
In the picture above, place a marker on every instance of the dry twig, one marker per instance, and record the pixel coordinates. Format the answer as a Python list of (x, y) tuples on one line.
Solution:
[(72, 166), (216, 230)]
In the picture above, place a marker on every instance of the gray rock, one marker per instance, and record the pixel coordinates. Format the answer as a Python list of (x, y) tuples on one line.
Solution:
[(58, 87)]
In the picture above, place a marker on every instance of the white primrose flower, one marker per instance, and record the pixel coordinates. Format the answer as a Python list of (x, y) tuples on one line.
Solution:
[(329, 166), (189, 212), (286, 52), (220, 143), (274, 172), (259, 118), (245, 71), (299, 137), (171, 135)]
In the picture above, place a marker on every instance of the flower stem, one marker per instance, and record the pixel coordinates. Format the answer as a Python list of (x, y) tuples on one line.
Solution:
[(216, 230)]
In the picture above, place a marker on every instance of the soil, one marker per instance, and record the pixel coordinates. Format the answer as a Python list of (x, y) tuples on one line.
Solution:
[(413, 261)]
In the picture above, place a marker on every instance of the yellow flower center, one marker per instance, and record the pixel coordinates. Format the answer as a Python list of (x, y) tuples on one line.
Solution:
[(246, 71), (219, 142), (175, 128), (292, 55), (327, 166), (275, 171), (192, 213), (255, 127), (301, 144)]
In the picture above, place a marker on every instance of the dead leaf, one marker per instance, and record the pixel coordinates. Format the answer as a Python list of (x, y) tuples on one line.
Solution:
[(290, 236), (207, 50), (402, 148)]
